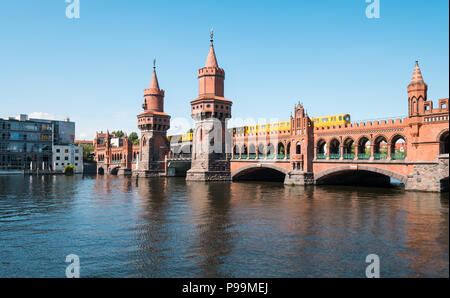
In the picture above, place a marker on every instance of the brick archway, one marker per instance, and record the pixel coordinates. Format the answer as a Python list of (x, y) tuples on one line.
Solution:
[(340, 169), (256, 166)]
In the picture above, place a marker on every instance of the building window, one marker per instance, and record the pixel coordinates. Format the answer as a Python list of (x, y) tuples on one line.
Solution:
[(76, 157), (56, 164), (66, 151), (57, 150), (66, 158), (57, 158)]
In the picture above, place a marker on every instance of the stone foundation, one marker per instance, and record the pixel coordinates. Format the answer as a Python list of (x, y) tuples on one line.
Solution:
[(299, 178), (201, 175), (429, 176)]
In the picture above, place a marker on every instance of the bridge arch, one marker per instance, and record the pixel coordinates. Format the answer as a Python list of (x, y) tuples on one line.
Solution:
[(260, 172), (114, 171), (348, 168), (101, 171)]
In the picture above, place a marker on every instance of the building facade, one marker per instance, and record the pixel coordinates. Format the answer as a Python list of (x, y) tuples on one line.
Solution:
[(64, 155), (28, 143)]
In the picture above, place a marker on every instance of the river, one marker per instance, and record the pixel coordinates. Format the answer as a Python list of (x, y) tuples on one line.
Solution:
[(124, 227)]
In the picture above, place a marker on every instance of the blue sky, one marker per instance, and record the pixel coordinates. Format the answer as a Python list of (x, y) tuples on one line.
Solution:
[(326, 54)]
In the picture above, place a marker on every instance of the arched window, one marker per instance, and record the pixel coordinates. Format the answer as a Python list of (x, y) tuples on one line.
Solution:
[(364, 148), (298, 148), (380, 148), (398, 147), (335, 150)]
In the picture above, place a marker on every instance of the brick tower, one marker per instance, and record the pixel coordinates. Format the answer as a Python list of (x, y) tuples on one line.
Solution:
[(417, 96), (211, 143), (153, 123), (417, 93)]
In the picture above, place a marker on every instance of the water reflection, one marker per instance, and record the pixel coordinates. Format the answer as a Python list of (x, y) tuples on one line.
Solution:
[(123, 227)]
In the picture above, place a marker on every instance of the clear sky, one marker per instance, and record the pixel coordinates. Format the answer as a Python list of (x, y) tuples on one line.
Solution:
[(326, 54)]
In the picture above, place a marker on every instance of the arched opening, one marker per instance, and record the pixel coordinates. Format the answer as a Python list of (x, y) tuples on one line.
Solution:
[(335, 150), (321, 149), (288, 150), (114, 171), (280, 151), (261, 151), (380, 148), (252, 151), (270, 150), (244, 152), (349, 148), (444, 143), (101, 171), (364, 148), (444, 184), (398, 147), (298, 148), (358, 178), (260, 174), (144, 142), (236, 152)]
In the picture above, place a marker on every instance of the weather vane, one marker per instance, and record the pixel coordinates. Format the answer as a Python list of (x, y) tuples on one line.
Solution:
[(154, 63), (211, 34)]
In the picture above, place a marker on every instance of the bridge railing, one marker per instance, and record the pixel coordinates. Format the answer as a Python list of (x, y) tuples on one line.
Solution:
[(335, 156), (398, 156)]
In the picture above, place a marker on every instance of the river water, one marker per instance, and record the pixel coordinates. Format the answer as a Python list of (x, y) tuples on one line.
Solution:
[(124, 227)]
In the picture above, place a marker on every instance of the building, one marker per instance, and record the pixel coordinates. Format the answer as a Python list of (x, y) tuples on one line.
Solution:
[(64, 155), (25, 143), (28, 143)]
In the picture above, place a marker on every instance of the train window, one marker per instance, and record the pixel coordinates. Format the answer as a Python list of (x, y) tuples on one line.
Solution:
[(324, 119), (340, 118), (347, 117)]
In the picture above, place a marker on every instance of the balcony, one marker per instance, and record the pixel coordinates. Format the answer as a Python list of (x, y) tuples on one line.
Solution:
[(363, 156)]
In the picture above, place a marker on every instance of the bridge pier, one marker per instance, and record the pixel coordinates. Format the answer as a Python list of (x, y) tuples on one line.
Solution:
[(297, 177), (430, 176)]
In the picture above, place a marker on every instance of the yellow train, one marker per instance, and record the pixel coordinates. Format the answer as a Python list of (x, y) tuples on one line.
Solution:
[(331, 120), (183, 137), (284, 126)]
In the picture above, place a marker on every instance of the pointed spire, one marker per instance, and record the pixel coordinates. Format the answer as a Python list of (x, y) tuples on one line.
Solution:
[(211, 61), (417, 75), (154, 82)]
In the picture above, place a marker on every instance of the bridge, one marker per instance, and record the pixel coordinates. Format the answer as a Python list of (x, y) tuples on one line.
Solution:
[(413, 151)]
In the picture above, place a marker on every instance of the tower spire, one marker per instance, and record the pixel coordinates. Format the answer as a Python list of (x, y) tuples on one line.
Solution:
[(211, 60), (154, 82), (417, 74)]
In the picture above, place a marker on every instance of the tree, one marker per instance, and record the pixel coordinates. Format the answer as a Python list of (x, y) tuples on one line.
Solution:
[(134, 138), (118, 133), (88, 152), (69, 170)]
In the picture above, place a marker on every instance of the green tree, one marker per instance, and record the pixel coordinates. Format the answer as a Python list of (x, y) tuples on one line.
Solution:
[(69, 170), (134, 138), (88, 152), (118, 133)]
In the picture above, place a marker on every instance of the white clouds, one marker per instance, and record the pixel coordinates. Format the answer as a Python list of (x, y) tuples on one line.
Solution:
[(42, 115)]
